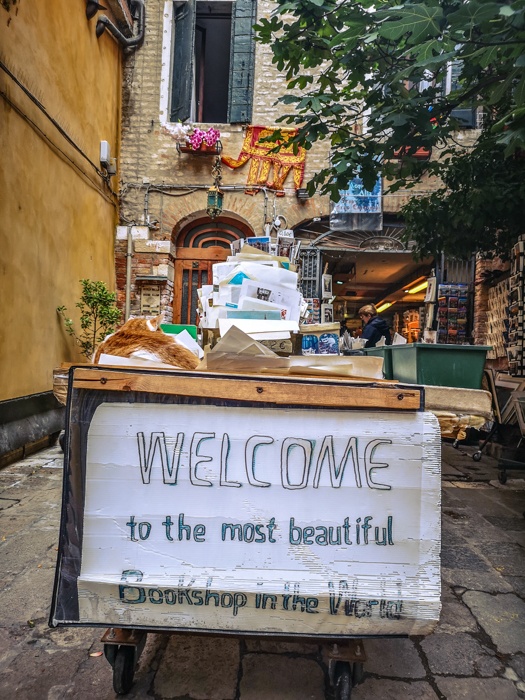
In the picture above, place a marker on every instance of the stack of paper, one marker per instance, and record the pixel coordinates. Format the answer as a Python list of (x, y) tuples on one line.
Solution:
[(238, 352), (255, 291)]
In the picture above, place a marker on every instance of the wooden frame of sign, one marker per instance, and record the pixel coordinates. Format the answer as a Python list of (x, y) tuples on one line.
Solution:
[(252, 505)]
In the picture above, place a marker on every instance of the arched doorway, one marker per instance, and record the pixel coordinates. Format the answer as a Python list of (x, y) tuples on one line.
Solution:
[(199, 244)]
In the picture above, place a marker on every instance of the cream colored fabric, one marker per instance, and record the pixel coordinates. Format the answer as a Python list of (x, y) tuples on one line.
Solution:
[(458, 401)]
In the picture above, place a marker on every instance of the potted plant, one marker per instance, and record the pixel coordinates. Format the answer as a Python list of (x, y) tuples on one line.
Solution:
[(99, 316), (192, 139)]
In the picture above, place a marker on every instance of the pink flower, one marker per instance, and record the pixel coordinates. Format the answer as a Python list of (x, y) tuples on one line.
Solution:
[(197, 137), (211, 136)]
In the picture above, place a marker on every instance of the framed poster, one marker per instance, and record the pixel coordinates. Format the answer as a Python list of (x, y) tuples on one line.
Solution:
[(327, 286), (327, 313), (221, 504), (430, 295), (358, 208)]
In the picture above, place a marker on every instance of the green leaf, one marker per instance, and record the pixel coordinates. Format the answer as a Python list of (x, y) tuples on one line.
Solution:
[(519, 92), (473, 13), (420, 21)]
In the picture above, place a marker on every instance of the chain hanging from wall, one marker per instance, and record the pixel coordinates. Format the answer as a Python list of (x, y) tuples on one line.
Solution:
[(215, 194)]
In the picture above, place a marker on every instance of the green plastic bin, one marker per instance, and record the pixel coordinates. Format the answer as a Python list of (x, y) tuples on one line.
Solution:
[(386, 353), (439, 365), (175, 328)]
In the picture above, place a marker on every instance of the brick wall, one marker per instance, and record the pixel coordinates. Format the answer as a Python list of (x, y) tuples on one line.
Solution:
[(164, 189), (149, 159)]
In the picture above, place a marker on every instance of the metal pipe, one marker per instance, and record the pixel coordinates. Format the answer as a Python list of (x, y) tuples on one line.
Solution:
[(129, 255), (104, 23)]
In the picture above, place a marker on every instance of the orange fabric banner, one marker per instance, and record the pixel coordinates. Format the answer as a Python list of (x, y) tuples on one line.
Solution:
[(269, 169)]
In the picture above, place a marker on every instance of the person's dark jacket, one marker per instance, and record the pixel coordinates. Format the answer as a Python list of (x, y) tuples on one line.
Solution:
[(374, 329)]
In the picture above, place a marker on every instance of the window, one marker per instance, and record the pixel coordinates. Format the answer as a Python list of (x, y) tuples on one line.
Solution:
[(466, 116), (213, 61)]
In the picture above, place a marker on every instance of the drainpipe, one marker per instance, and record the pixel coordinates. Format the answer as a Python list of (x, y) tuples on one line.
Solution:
[(104, 23), (129, 255)]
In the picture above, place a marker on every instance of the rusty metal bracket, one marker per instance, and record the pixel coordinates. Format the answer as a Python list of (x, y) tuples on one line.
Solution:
[(350, 650), (125, 637)]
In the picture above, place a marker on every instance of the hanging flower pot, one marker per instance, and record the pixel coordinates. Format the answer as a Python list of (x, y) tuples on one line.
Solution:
[(202, 150), (191, 139)]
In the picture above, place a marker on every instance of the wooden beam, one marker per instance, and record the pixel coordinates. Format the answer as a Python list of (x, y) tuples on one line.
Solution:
[(281, 391)]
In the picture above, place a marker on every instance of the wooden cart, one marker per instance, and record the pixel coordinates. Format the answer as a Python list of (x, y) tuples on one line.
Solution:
[(247, 505)]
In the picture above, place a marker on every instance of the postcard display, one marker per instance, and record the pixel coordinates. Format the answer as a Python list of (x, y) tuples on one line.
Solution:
[(452, 314), (515, 348)]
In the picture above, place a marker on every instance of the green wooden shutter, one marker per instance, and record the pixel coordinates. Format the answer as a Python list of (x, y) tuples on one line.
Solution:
[(242, 61), (183, 57)]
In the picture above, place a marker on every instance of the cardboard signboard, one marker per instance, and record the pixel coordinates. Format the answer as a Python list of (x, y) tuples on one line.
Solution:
[(189, 512)]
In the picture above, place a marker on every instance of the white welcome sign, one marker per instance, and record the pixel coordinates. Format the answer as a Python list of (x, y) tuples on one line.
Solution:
[(261, 520)]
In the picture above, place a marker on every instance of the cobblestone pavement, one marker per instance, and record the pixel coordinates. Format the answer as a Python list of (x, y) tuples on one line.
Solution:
[(476, 652)]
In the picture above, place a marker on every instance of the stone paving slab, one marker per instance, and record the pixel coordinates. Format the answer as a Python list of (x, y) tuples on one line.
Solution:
[(505, 557), (491, 581), (203, 668), (395, 658), (462, 558), (477, 688), (266, 676), (455, 616), (375, 689), (518, 584), (502, 617), (459, 655)]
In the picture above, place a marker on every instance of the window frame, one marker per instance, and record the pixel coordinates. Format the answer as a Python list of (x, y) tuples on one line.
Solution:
[(242, 61)]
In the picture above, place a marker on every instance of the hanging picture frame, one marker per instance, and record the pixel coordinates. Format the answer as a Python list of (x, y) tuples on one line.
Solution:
[(327, 287), (430, 296), (327, 313)]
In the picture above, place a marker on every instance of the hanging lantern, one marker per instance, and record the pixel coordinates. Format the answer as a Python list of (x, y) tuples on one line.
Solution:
[(214, 206), (215, 194)]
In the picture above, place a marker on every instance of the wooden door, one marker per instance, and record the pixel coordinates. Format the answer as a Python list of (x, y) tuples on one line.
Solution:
[(198, 246), (193, 269)]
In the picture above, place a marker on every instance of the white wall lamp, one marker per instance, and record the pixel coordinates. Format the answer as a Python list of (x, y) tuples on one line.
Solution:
[(107, 163)]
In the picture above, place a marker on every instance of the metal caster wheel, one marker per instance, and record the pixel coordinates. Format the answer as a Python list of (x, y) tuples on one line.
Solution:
[(357, 673), (343, 682), (476, 456), (502, 477), (124, 670)]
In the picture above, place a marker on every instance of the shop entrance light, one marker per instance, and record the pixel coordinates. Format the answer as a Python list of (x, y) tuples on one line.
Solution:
[(384, 306), (418, 288), (416, 285)]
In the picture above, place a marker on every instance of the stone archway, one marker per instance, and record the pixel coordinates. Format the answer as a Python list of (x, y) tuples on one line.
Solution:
[(199, 244)]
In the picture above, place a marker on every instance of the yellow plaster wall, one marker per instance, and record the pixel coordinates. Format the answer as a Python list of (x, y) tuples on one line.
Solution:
[(57, 215)]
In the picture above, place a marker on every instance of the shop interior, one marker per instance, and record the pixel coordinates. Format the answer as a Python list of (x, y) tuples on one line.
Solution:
[(393, 281), (371, 268)]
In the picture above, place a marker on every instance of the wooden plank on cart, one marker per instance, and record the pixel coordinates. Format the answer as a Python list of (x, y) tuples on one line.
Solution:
[(322, 393), (199, 503)]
